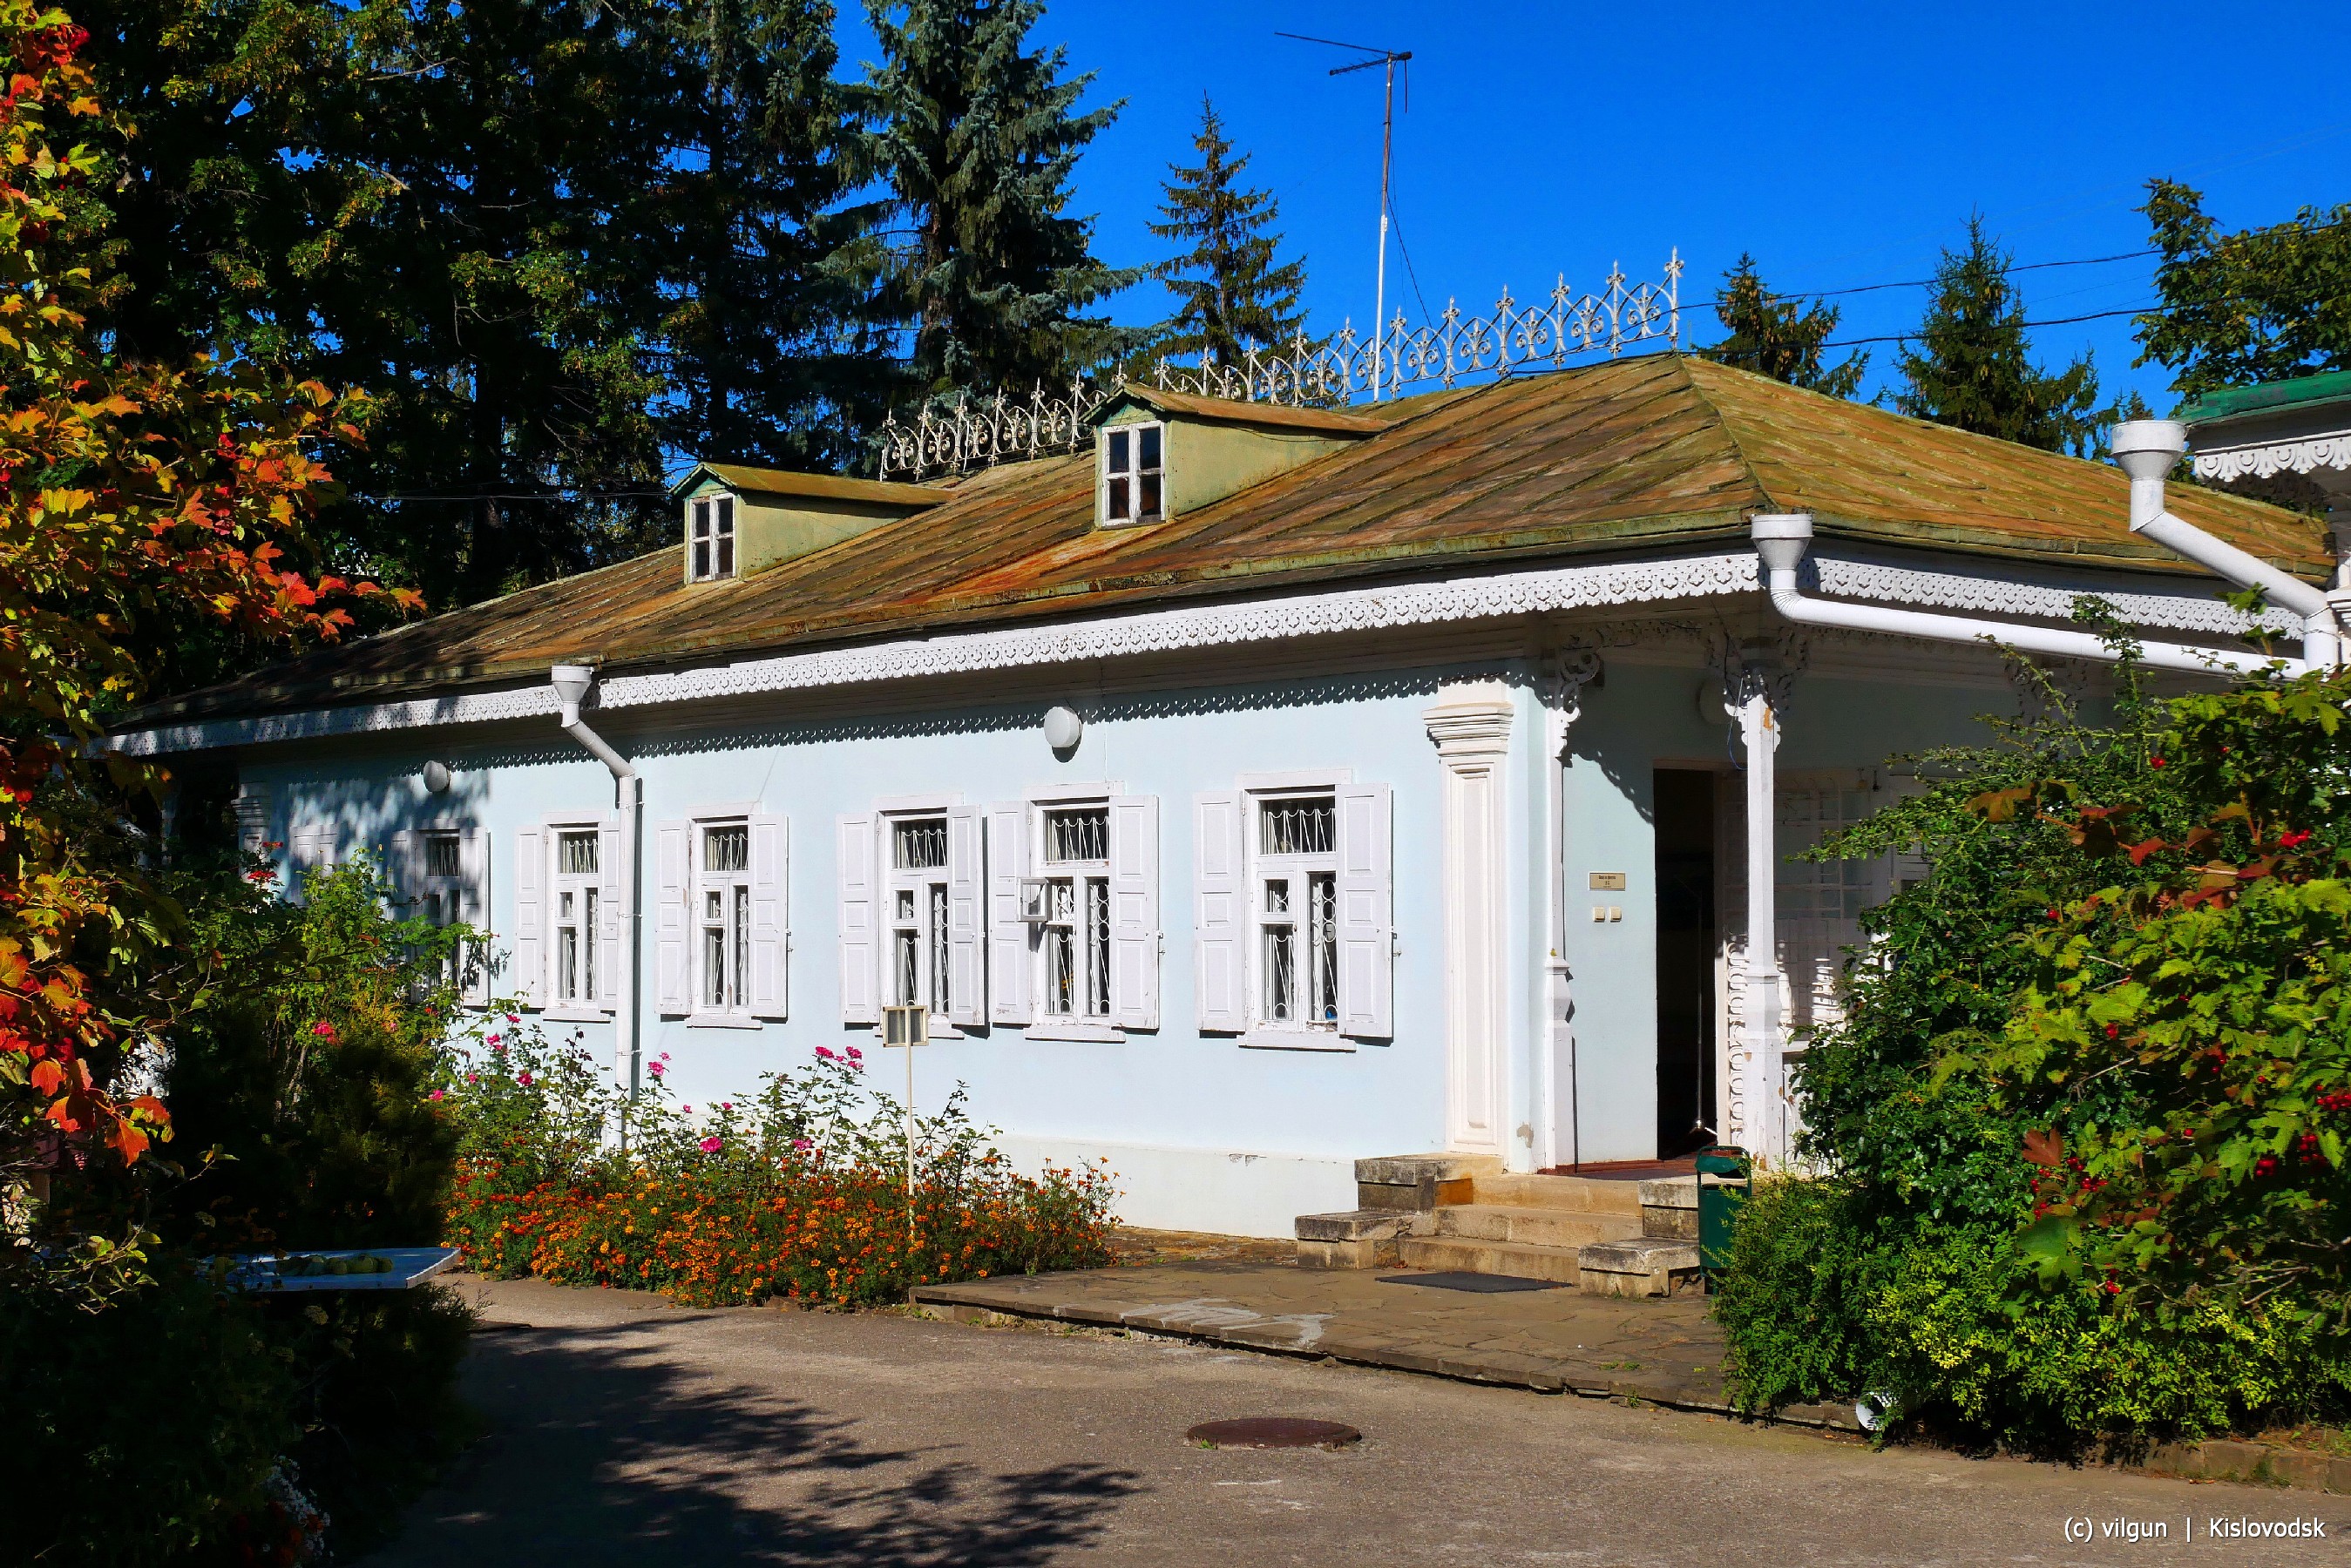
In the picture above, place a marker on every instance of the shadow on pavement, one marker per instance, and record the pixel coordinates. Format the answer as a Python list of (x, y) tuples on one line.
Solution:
[(604, 1451)]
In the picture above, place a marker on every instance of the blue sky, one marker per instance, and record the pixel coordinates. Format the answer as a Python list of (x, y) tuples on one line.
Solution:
[(1842, 144)]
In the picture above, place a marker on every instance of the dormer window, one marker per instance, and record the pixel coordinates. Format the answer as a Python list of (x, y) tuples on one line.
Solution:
[(1132, 474), (713, 537)]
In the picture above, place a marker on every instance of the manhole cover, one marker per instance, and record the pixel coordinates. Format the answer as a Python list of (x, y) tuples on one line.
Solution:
[(1273, 1432)]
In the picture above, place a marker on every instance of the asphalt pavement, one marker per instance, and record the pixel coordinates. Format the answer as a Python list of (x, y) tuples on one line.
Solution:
[(627, 1431)]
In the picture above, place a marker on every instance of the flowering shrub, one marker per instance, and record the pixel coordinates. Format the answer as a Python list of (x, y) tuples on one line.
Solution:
[(798, 1191), (2082, 1127)]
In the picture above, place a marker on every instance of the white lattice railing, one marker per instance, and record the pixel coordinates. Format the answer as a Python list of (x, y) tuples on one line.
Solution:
[(970, 432)]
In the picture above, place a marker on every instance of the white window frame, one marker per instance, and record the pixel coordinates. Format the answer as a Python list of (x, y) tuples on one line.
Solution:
[(446, 899), (1231, 914), (538, 917), (714, 546), (916, 903), (731, 890), (1123, 966), (586, 890), (1133, 473), (1304, 928)]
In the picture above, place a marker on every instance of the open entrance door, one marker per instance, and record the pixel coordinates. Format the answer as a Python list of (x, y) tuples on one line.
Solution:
[(1688, 944)]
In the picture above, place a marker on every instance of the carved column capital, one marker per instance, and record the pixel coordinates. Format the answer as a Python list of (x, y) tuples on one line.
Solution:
[(1470, 724)]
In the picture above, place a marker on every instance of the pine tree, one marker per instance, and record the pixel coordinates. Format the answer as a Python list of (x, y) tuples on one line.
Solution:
[(2260, 305), (1234, 296), (978, 139), (767, 347), (1971, 369), (1774, 336)]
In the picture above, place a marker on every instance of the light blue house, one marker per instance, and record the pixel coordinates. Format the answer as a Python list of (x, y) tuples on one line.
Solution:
[(1248, 789)]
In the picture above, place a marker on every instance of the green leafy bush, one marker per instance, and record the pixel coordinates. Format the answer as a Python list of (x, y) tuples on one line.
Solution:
[(2081, 1126)]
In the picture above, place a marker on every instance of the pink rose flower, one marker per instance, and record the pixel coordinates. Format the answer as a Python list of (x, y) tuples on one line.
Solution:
[(803, 1145), (512, 1018), (855, 1054), (686, 1110), (434, 1095), (712, 1145), (656, 1069), (324, 1031), (494, 1039), (726, 1104), (473, 1077), (523, 1078), (823, 1054)]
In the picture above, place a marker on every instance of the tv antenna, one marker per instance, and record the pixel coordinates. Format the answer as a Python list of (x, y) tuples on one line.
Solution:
[(1391, 59)]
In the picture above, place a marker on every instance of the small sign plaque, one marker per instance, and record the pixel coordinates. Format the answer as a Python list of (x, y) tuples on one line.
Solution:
[(1608, 881)]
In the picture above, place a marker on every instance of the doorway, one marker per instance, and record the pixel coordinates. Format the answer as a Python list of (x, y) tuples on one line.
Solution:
[(1687, 944)]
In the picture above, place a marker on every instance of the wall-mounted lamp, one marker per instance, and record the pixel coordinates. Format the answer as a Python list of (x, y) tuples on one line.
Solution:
[(436, 778), (1062, 728)]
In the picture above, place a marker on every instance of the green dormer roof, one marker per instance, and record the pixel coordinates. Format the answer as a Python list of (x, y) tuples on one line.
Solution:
[(2302, 393)]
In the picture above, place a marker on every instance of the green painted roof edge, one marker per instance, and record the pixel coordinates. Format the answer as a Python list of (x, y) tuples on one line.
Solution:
[(2327, 387)]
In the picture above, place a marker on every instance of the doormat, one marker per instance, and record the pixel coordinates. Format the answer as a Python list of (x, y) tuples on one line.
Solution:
[(1484, 1284)]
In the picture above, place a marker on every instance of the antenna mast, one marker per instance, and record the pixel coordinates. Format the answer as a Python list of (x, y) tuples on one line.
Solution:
[(1390, 59)]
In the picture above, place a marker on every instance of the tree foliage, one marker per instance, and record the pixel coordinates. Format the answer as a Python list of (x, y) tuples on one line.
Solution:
[(1972, 367), (977, 137), (139, 499), (2259, 305), (2081, 1128), (1233, 295), (1779, 338)]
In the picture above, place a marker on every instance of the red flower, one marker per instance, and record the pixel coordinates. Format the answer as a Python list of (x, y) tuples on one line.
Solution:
[(324, 1031), (2295, 839), (2155, 762)]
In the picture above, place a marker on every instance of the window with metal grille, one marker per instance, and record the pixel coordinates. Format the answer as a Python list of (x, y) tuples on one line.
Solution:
[(1082, 835), (1297, 914), (441, 855), (575, 855), (1301, 826), (577, 895), (1132, 474), (723, 889), (714, 537), (921, 960), (919, 844)]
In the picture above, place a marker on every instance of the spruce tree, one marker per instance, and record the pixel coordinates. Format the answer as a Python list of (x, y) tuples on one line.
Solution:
[(767, 347), (977, 137), (2259, 305), (1972, 370), (1775, 337), (1234, 296)]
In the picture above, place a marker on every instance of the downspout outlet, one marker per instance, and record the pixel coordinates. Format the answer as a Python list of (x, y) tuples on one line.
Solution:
[(572, 682), (2145, 449), (1782, 538)]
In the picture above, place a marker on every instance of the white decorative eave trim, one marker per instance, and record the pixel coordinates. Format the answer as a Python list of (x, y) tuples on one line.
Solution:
[(1498, 596), (2264, 460)]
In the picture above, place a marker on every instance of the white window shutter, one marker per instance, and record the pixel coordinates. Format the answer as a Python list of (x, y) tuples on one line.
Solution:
[(253, 814), (673, 988), (1366, 913), (967, 932), (473, 908), (530, 916), (1008, 998), (403, 864), (311, 846), (770, 930), (1134, 911), (858, 908), (1219, 913), (611, 909)]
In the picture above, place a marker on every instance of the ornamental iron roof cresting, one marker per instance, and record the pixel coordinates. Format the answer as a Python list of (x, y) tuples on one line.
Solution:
[(976, 431)]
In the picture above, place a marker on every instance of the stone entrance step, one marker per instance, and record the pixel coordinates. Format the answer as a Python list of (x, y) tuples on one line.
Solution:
[(1563, 1227), (1517, 1259), (1464, 1213)]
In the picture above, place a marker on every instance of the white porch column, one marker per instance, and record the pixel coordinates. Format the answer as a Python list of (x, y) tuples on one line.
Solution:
[(1767, 1130), (1471, 727), (1564, 678)]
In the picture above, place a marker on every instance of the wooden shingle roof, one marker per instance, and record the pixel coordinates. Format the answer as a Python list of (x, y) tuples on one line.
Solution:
[(1635, 456)]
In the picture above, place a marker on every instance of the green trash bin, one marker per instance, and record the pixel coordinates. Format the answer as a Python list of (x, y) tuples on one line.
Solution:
[(1725, 1176)]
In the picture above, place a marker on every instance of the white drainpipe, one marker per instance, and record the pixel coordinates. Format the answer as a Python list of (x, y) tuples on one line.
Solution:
[(2145, 449), (572, 683), (1766, 1123)]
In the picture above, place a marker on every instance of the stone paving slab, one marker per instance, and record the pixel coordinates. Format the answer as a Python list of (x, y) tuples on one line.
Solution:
[(1662, 1350)]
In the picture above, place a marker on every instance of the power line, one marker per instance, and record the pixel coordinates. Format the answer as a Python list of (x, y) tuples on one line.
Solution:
[(1906, 337)]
